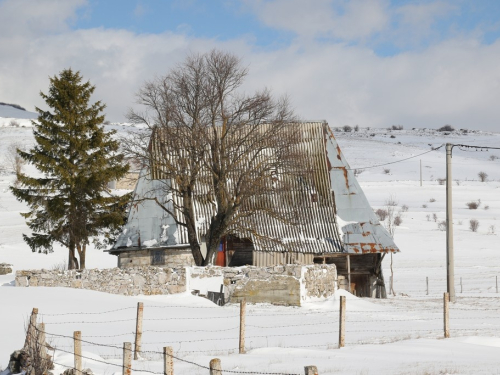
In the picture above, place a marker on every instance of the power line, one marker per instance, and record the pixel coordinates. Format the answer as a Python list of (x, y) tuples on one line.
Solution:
[(397, 161)]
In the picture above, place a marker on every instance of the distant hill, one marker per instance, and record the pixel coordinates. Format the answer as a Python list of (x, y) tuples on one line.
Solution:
[(15, 111)]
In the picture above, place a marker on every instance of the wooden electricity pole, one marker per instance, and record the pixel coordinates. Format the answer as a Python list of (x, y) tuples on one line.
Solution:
[(450, 268)]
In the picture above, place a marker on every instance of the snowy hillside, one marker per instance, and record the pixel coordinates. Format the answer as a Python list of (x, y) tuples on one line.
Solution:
[(8, 112), (400, 335)]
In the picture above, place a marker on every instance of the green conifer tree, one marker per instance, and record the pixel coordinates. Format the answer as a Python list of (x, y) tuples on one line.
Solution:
[(71, 203)]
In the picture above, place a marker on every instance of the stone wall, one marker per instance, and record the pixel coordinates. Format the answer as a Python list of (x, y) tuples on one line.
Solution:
[(279, 285), (128, 281), (173, 258)]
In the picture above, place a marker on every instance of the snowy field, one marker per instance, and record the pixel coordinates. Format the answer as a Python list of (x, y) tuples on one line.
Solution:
[(400, 335)]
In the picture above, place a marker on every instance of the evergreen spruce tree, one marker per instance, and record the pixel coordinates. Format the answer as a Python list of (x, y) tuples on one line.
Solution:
[(71, 203)]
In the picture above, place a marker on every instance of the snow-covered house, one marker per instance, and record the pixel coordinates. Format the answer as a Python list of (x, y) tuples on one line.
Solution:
[(340, 226)]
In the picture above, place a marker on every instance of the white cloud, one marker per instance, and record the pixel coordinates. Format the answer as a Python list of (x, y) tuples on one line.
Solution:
[(339, 19), (456, 81)]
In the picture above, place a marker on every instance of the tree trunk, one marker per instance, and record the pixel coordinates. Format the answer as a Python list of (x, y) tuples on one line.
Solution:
[(82, 249), (194, 244), (215, 234), (72, 261)]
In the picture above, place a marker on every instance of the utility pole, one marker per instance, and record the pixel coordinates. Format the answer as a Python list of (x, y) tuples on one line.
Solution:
[(420, 172), (450, 267)]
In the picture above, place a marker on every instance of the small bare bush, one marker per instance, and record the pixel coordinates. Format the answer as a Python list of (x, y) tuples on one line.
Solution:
[(432, 200), (14, 123), (398, 221), (424, 206), (397, 127), (404, 208), (435, 217), (473, 225), (441, 181), (428, 217), (493, 157), (356, 128), (473, 205), (357, 172), (482, 176), (347, 128), (486, 207), (442, 225), (387, 171), (457, 182), (381, 214), (460, 222), (491, 230), (446, 128)]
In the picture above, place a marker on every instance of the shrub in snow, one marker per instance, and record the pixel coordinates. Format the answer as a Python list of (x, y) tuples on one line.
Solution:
[(424, 206), (404, 208), (428, 217), (473, 225), (492, 229), (482, 176), (432, 200), (398, 221), (347, 128), (387, 171), (435, 217), (473, 205), (486, 207), (382, 214), (441, 181), (442, 225), (446, 128)]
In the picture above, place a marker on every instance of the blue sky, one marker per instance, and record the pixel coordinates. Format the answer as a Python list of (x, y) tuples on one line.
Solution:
[(225, 20), (360, 62)]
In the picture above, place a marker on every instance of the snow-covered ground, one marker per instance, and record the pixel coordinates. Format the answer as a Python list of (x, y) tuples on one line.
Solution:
[(400, 335)]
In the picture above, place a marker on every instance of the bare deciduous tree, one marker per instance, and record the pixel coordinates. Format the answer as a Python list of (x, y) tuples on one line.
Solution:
[(15, 162), (208, 142)]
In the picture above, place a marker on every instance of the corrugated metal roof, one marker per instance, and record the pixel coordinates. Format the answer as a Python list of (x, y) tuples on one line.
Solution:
[(330, 188)]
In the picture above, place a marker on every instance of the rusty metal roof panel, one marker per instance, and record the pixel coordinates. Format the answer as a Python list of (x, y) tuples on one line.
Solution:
[(362, 230)]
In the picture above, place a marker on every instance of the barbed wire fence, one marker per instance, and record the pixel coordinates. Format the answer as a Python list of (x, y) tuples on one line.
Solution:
[(431, 318)]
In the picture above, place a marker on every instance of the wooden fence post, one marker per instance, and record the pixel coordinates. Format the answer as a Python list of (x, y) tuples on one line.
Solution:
[(311, 370), (127, 358), (342, 322), (168, 360), (138, 330), (446, 299), (215, 367), (77, 339), (243, 304), (30, 333), (41, 340)]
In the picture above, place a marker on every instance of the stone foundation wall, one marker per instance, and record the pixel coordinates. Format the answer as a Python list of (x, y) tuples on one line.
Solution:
[(279, 285), (129, 281), (173, 258)]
